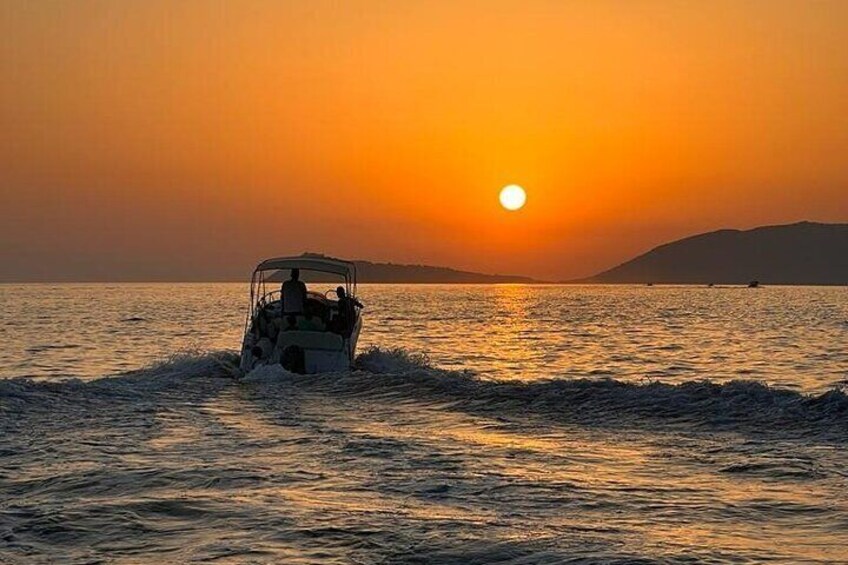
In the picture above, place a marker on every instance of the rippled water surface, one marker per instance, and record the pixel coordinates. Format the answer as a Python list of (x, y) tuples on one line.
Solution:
[(552, 424), (792, 336)]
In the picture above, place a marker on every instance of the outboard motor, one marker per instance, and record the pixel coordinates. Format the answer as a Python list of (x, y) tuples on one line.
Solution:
[(293, 359)]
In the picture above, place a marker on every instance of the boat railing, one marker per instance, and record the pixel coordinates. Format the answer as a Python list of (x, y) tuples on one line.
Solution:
[(267, 298)]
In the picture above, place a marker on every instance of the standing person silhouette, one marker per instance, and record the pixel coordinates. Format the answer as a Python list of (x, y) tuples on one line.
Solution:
[(294, 294), (347, 312)]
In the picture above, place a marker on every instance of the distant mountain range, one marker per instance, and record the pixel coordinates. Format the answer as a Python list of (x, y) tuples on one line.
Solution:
[(802, 253), (370, 272)]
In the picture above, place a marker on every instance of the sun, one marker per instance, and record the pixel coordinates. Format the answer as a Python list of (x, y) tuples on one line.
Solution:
[(513, 197)]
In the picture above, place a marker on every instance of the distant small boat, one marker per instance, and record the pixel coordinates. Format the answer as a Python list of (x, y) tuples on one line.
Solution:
[(311, 342)]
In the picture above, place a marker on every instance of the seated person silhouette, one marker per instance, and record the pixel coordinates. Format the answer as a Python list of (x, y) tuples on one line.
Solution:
[(293, 294)]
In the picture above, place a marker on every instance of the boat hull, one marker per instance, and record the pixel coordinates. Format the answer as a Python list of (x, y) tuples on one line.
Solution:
[(302, 351)]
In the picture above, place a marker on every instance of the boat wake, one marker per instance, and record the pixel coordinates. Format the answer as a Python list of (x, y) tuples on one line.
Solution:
[(386, 375)]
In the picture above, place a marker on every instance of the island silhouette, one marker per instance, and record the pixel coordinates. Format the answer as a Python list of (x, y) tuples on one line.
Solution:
[(794, 254)]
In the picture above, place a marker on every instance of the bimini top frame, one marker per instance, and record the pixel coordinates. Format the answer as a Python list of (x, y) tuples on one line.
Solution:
[(346, 269)]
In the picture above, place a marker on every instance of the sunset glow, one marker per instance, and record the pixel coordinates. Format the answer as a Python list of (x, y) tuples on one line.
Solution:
[(131, 130)]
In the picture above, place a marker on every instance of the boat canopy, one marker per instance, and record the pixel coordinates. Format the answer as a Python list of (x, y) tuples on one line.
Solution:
[(346, 269)]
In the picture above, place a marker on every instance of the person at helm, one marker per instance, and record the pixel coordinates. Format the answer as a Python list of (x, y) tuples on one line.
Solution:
[(294, 294)]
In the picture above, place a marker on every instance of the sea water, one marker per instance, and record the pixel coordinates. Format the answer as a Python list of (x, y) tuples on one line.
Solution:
[(482, 424)]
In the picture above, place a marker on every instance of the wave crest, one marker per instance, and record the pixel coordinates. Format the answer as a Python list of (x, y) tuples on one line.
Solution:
[(383, 375), (394, 360), (141, 385), (740, 404)]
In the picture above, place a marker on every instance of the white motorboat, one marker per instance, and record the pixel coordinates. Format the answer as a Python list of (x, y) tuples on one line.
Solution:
[(320, 338)]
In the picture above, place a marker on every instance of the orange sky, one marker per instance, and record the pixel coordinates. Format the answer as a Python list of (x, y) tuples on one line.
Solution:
[(187, 140)]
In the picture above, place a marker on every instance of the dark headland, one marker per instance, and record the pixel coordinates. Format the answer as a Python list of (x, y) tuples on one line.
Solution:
[(801, 253), (370, 272)]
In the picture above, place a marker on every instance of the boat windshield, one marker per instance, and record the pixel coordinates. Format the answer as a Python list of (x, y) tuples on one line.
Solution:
[(316, 282)]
